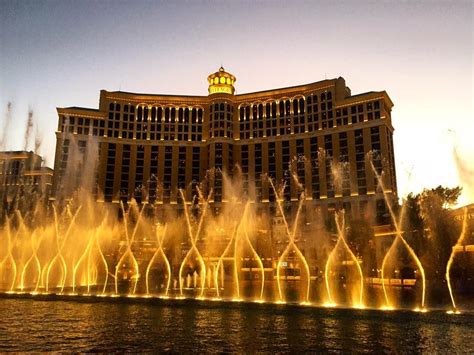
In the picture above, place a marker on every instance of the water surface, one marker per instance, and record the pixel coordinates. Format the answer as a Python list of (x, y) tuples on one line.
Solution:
[(62, 325)]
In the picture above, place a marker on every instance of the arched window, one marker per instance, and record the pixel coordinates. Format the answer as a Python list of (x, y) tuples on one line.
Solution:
[(295, 106), (139, 113)]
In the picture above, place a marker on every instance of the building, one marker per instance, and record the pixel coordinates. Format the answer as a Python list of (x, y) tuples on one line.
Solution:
[(22, 173), (147, 146)]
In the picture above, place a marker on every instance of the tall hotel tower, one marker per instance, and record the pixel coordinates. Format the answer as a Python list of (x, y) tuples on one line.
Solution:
[(147, 146)]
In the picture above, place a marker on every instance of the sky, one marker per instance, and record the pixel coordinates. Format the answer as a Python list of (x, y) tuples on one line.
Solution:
[(62, 53)]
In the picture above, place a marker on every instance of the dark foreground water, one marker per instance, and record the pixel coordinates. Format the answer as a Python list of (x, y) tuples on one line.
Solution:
[(193, 326)]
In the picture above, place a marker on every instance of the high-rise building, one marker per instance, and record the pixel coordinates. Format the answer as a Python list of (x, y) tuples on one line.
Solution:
[(147, 146), (23, 176)]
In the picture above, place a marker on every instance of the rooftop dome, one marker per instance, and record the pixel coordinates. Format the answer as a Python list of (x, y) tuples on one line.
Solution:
[(221, 82)]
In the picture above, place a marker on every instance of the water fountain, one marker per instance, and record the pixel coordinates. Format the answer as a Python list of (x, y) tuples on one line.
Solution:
[(84, 248)]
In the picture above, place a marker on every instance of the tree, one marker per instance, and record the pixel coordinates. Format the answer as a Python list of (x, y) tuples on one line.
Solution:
[(430, 228)]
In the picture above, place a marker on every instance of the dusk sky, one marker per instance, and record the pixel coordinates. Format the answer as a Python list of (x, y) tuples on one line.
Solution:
[(62, 53)]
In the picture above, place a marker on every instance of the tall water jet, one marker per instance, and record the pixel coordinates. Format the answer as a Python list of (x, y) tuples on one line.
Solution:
[(128, 250), (160, 236), (6, 126), (193, 237), (291, 242), (340, 225), (258, 259), (85, 254), (28, 129), (35, 244), (59, 249), (220, 263), (455, 250), (9, 255), (399, 237)]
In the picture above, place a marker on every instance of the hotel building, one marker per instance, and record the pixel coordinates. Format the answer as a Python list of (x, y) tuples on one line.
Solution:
[(147, 146), (23, 180)]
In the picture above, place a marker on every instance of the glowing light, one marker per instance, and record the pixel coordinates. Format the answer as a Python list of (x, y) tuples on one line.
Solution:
[(291, 245), (9, 256), (329, 305), (159, 252), (128, 252), (420, 310), (453, 311), (453, 253), (193, 238), (341, 241), (398, 237)]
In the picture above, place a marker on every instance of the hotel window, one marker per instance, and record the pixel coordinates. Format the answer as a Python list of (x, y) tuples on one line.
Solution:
[(113, 124), (314, 168), (128, 122), (286, 160), (182, 168), (271, 124), (344, 160), (244, 122), (271, 168), (109, 172), (245, 167), (257, 121), (125, 172), (299, 115), (313, 112), (221, 120), (155, 123), (139, 172), (196, 124), (153, 181), (218, 175), (196, 163), (300, 162), (326, 110), (258, 171), (342, 118), (168, 166), (360, 162), (328, 161)]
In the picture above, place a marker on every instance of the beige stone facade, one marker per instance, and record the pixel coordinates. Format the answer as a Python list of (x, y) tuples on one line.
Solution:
[(148, 146)]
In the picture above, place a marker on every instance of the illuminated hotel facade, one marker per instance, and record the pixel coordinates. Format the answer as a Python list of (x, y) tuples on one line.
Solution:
[(147, 146)]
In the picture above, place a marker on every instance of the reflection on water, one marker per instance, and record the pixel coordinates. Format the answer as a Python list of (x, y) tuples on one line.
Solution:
[(27, 325)]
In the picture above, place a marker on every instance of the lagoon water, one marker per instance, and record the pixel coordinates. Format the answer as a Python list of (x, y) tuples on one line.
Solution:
[(204, 326)]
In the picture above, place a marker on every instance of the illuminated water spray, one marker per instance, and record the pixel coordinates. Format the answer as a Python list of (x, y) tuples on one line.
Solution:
[(160, 236), (9, 255), (128, 251), (193, 238), (398, 238), (291, 244), (60, 246), (457, 247), (240, 229), (35, 242), (341, 242), (220, 263)]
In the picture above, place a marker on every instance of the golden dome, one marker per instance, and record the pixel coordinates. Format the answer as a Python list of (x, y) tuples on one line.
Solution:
[(221, 82)]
